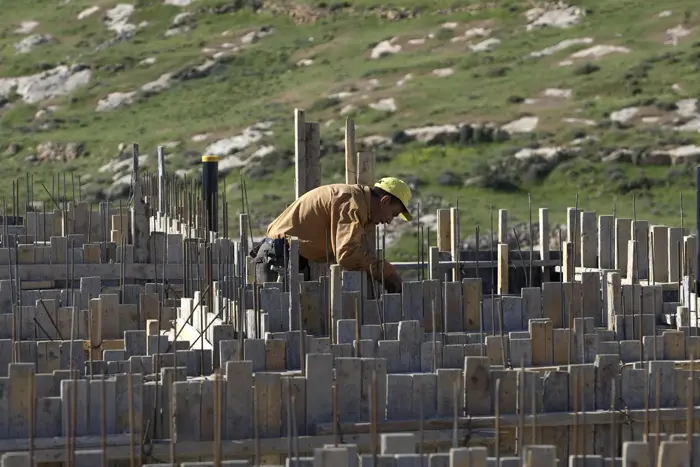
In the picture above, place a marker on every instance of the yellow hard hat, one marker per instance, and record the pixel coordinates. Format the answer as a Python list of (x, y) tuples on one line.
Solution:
[(400, 190)]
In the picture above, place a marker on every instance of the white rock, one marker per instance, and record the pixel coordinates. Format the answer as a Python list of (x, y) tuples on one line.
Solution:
[(117, 19), (581, 121), (665, 14), (26, 27), (198, 138), (229, 163), (651, 119), (565, 44), (442, 72), (254, 36), (220, 55), (347, 109), (376, 140), (530, 101), (677, 87), (548, 154), (687, 107), (521, 125), (115, 166), (676, 33), (181, 19), (340, 95), (429, 133), (88, 12), (624, 115), (147, 61), (371, 84), (419, 41), (170, 144), (114, 100), (693, 125), (305, 62), (684, 152), (48, 84), (262, 152), (553, 92), (387, 47), (561, 17), (228, 45), (485, 45), (240, 142), (472, 33), (175, 31), (598, 51), (384, 105), (404, 80), (161, 84), (28, 43), (450, 25), (180, 3)]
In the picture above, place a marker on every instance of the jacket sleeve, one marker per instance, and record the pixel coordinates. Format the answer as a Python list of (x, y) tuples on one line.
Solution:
[(350, 247), (352, 251)]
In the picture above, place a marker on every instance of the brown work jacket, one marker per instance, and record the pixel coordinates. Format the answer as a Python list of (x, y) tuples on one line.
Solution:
[(331, 222)]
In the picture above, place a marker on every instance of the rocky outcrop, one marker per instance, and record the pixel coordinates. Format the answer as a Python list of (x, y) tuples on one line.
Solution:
[(54, 82)]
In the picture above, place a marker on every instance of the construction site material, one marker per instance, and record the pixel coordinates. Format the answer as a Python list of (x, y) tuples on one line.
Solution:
[(138, 334)]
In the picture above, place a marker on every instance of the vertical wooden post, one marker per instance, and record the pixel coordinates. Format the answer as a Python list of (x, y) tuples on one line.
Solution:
[(443, 230), (454, 242), (366, 164), (307, 150), (544, 241), (350, 155), (502, 269), (300, 161), (313, 155)]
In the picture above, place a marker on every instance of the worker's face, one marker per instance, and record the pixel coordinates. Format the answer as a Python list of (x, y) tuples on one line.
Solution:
[(388, 210)]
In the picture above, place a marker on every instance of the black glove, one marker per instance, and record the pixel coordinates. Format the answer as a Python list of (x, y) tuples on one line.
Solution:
[(393, 284)]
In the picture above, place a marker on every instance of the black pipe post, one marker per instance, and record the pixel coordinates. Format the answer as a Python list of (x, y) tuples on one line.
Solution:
[(697, 228), (210, 191)]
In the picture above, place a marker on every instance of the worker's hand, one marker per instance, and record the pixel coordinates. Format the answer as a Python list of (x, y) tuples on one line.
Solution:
[(393, 283)]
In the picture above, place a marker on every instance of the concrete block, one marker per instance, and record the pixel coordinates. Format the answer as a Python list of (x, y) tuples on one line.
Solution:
[(399, 393), (398, 443), (346, 330), (331, 456), (424, 395), (187, 397), (239, 400), (450, 387), (74, 393), (383, 460), (410, 339), (428, 349), (254, 351), (319, 395), (348, 373)]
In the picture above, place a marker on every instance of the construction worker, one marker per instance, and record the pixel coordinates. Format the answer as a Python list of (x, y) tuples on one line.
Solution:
[(331, 222)]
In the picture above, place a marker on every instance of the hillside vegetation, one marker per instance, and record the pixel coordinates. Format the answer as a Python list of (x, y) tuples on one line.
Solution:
[(475, 103)]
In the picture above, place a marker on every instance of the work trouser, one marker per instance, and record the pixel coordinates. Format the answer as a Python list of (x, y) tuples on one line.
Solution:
[(270, 254)]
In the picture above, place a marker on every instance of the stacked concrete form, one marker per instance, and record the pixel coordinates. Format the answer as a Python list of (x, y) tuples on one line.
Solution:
[(133, 334)]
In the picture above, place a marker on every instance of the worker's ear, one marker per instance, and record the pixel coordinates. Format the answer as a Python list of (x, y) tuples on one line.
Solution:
[(386, 199)]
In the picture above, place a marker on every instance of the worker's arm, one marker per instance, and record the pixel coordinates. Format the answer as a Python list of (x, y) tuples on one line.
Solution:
[(353, 254)]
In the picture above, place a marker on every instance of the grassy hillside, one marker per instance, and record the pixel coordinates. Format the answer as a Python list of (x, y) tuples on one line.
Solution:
[(189, 76)]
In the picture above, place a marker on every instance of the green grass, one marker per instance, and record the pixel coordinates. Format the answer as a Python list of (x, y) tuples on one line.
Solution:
[(261, 82)]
